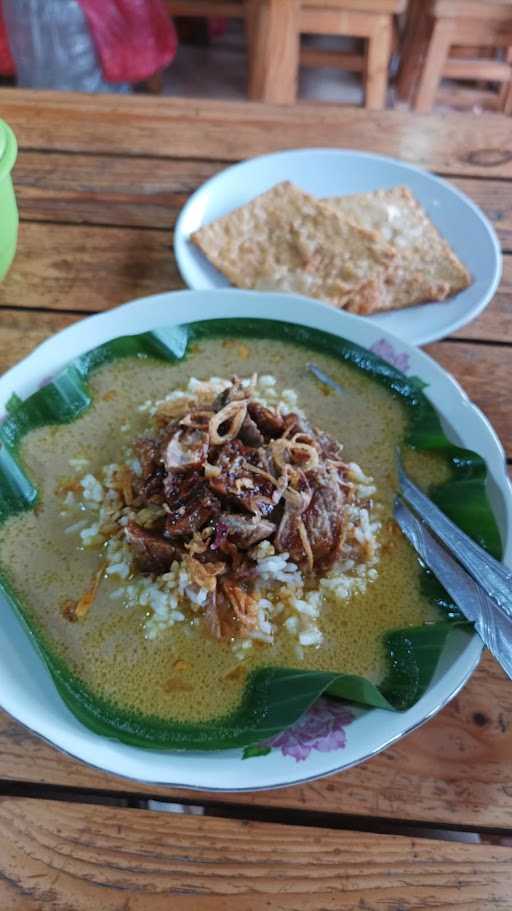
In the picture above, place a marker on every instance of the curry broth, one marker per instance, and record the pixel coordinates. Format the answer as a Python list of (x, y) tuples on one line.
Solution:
[(183, 674)]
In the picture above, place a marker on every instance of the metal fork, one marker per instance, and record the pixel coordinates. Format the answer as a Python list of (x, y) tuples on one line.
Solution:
[(480, 585)]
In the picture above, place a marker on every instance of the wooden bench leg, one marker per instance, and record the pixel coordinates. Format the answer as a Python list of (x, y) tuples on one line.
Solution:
[(505, 93), (505, 98), (378, 54), (415, 42), (508, 103), (154, 85), (274, 39), (438, 51)]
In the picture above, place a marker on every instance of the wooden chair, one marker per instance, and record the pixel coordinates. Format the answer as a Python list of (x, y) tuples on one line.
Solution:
[(437, 32), (274, 28), (372, 20)]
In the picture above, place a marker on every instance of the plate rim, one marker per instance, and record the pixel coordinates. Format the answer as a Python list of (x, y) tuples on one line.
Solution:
[(115, 317), (181, 238)]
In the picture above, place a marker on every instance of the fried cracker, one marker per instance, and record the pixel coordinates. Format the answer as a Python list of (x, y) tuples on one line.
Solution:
[(427, 268), (287, 240)]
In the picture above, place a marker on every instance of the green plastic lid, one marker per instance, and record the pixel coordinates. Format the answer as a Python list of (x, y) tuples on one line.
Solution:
[(8, 148)]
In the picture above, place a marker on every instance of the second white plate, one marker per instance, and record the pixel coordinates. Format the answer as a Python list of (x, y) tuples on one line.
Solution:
[(337, 172)]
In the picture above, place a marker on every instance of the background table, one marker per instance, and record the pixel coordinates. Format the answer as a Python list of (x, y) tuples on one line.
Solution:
[(100, 181)]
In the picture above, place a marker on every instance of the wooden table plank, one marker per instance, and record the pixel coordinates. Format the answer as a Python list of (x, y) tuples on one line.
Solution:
[(495, 323), (72, 267), (74, 856), (106, 190), (102, 189), (455, 771), (183, 128), (485, 373), (494, 198), (22, 330)]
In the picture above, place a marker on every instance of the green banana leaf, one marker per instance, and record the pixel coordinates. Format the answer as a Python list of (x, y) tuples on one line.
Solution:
[(274, 698)]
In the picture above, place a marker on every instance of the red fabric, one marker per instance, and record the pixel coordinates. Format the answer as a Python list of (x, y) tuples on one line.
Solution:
[(133, 38), (7, 67)]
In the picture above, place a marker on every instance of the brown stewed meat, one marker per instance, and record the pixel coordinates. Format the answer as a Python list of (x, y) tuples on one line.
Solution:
[(153, 554), (243, 531), (228, 477)]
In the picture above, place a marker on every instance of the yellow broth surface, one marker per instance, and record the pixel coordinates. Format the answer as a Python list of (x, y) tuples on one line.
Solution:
[(184, 674)]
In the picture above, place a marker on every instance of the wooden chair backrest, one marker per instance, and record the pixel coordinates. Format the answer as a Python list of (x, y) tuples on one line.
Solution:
[(234, 7), (473, 9), (363, 6)]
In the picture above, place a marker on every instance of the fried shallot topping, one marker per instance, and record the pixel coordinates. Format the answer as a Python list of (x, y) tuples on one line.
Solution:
[(220, 480)]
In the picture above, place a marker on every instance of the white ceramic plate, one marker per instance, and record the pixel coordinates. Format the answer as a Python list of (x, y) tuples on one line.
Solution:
[(337, 172), (26, 690)]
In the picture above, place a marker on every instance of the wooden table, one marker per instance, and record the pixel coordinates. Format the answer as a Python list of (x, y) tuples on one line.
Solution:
[(100, 181)]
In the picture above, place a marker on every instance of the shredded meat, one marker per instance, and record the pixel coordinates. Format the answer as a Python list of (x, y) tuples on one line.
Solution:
[(270, 423), (242, 487), (244, 531), (195, 511), (328, 447), (153, 554), (200, 420), (290, 534), (147, 452), (325, 517), (219, 479), (150, 487), (250, 434), (186, 449)]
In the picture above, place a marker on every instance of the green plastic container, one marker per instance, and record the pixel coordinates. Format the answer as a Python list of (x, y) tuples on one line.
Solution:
[(8, 207)]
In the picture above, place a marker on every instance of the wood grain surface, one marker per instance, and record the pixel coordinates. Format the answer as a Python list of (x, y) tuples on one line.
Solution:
[(103, 189), (22, 330), (485, 373), (495, 323), (74, 857), (83, 268), (217, 130)]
